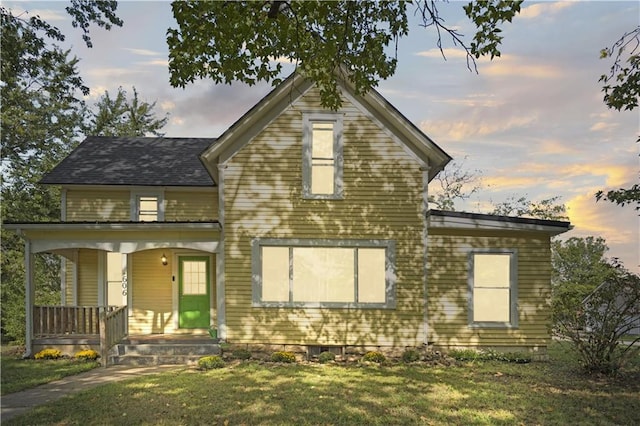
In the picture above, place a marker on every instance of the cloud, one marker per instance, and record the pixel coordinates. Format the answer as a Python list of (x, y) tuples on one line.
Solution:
[(143, 52), (544, 9), (155, 62), (448, 53), (474, 127), (511, 65), (602, 126)]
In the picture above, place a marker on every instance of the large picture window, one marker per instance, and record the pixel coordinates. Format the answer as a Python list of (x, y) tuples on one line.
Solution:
[(493, 289), (322, 156), (323, 273)]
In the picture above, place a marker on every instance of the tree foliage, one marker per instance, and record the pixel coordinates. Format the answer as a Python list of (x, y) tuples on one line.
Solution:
[(549, 208), (247, 41), (455, 184), (120, 116), (41, 119), (595, 302), (622, 92)]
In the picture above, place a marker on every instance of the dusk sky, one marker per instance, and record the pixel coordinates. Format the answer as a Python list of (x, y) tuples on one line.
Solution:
[(532, 121)]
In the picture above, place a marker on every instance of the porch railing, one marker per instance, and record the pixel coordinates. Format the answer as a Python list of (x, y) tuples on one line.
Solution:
[(109, 323)]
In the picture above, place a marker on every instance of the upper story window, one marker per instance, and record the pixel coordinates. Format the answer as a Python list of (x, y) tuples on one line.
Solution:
[(493, 289), (147, 207), (322, 156)]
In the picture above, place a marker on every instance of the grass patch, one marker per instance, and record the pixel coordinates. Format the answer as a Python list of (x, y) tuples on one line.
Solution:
[(479, 392), (20, 374)]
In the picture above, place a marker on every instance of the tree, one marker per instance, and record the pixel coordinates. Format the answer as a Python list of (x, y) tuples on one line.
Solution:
[(40, 117), (622, 91), (456, 184), (121, 117), (240, 41), (549, 208), (594, 302)]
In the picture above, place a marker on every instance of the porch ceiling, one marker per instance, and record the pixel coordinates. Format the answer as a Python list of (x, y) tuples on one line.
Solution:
[(122, 237)]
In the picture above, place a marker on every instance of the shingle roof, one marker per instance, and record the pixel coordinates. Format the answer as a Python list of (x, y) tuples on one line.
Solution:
[(144, 161)]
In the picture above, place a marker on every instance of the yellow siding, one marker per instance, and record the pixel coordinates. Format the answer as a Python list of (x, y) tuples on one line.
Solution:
[(151, 287), (87, 277), (192, 205), (83, 205), (382, 199), (447, 288)]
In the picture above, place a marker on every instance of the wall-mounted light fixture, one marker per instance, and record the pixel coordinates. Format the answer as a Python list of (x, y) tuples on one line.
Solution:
[(164, 260)]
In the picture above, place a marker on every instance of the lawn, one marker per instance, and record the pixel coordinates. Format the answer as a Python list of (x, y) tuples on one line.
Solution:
[(19, 374), (252, 393)]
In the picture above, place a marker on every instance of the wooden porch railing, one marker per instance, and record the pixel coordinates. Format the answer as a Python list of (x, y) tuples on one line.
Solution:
[(109, 323)]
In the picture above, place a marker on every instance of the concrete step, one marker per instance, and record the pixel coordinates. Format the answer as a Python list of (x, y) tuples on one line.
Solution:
[(160, 352)]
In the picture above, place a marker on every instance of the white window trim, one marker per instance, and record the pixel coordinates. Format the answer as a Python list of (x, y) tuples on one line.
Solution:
[(390, 268), (307, 122), (513, 289), (135, 206)]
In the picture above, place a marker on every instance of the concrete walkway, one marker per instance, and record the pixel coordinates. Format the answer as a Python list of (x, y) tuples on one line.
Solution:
[(18, 403)]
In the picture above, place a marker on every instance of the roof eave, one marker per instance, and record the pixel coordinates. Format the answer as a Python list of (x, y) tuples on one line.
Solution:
[(472, 221)]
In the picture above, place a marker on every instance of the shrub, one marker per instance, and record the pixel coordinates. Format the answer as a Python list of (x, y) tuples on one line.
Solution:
[(489, 355), (326, 357), (374, 356), (282, 356), (87, 355), (241, 354), (210, 362), (410, 355), (48, 354)]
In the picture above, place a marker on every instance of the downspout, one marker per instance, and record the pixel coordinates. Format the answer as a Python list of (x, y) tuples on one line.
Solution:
[(425, 247), (220, 272)]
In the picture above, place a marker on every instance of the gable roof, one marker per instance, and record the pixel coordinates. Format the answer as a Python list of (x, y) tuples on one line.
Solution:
[(273, 104), (142, 161), (464, 220)]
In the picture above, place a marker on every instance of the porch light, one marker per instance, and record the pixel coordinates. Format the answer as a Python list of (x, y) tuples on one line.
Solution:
[(163, 259)]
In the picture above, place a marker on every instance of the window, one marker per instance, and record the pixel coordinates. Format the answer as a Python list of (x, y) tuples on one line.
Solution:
[(147, 207), (322, 156), (493, 289), (323, 273)]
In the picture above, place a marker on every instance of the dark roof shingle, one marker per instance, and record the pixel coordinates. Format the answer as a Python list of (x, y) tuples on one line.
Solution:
[(144, 161)]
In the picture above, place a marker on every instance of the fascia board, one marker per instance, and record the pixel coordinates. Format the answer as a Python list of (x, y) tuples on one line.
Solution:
[(494, 225)]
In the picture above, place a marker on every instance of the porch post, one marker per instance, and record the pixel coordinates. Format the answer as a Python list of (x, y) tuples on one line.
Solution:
[(29, 297)]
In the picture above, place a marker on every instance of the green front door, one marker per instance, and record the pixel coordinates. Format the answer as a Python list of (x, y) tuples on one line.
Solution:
[(193, 299)]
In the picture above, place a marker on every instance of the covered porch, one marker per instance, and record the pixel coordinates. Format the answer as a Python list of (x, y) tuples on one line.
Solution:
[(122, 279)]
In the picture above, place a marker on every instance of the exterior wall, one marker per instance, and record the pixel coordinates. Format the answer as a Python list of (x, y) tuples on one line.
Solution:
[(382, 200), (192, 205), (91, 205), (87, 277), (151, 308), (447, 292), (115, 205)]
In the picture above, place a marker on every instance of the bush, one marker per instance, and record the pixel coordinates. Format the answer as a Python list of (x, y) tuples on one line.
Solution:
[(48, 354), (597, 324), (282, 356), (241, 354), (87, 355), (489, 355), (326, 357), (210, 362), (410, 355), (374, 356)]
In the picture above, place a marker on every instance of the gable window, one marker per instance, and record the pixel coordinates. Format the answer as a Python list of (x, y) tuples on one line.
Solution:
[(147, 207), (322, 156), (493, 288), (323, 273)]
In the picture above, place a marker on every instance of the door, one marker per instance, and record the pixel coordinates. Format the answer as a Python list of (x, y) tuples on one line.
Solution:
[(193, 292)]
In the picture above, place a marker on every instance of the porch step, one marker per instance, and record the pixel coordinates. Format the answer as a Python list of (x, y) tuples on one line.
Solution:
[(161, 351)]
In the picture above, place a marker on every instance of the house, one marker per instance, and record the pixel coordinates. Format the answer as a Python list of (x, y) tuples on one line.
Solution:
[(298, 226)]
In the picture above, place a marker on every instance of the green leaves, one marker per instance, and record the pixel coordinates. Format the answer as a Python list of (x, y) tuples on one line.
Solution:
[(247, 41), (622, 84), (487, 15), (122, 117)]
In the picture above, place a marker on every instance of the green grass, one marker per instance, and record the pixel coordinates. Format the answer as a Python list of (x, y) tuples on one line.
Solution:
[(19, 374), (474, 393)]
